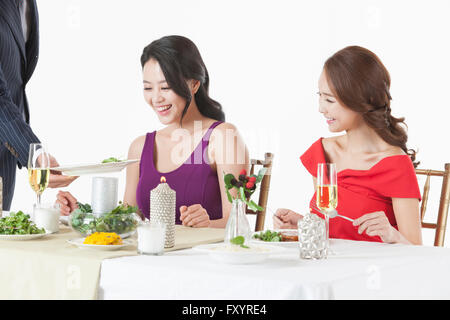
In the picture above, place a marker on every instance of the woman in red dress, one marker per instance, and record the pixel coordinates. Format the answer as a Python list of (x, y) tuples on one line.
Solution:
[(377, 185)]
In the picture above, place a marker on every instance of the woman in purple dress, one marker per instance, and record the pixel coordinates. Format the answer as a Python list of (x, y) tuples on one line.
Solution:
[(194, 148)]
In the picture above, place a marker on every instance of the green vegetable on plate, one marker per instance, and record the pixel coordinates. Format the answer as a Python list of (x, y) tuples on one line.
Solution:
[(18, 223), (269, 236), (111, 159), (120, 220)]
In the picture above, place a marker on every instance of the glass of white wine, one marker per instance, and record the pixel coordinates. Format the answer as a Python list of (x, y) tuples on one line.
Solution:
[(326, 192), (38, 169)]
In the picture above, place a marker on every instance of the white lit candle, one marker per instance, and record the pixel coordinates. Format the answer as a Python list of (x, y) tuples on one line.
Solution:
[(162, 209)]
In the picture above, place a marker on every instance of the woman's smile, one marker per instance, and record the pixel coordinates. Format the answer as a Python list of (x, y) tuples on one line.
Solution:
[(330, 120), (163, 110)]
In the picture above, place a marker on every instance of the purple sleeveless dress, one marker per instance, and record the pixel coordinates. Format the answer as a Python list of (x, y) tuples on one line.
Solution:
[(194, 181)]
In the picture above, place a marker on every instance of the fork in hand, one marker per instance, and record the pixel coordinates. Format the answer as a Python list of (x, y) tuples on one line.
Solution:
[(332, 213)]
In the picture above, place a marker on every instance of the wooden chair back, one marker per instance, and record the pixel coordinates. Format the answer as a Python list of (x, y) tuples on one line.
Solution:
[(441, 223), (263, 189)]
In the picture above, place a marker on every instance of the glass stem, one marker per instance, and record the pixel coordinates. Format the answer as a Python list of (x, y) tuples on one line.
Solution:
[(237, 217), (38, 198), (327, 227)]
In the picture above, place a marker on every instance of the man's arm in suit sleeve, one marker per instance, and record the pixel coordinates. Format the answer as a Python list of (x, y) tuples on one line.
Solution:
[(15, 134)]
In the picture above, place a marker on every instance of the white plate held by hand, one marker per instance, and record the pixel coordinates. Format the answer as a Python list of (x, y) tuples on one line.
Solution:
[(234, 254), (78, 170)]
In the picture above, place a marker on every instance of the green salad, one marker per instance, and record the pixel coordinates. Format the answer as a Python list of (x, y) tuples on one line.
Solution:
[(111, 159), (18, 223), (270, 236), (120, 220)]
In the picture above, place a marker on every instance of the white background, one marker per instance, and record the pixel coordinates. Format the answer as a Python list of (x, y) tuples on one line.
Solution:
[(264, 59)]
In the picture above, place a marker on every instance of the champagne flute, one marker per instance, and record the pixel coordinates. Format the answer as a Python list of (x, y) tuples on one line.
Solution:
[(326, 192), (38, 169)]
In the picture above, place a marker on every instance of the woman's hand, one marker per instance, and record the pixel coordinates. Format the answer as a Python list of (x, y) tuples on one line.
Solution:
[(377, 224), (286, 219), (194, 216), (67, 202)]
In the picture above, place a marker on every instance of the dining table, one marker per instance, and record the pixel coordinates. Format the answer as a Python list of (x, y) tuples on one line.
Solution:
[(58, 265), (352, 270), (52, 268)]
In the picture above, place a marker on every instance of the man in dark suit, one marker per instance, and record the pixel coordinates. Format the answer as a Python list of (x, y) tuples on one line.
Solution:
[(19, 45)]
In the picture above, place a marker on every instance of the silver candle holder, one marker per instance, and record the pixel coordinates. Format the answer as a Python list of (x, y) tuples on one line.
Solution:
[(312, 237), (162, 209), (104, 195)]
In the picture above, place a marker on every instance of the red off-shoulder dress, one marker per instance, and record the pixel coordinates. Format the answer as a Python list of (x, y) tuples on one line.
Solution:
[(365, 191)]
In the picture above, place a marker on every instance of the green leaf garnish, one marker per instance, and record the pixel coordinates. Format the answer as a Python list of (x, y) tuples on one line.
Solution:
[(238, 240), (230, 198), (227, 179), (242, 193), (111, 159), (254, 206), (261, 174)]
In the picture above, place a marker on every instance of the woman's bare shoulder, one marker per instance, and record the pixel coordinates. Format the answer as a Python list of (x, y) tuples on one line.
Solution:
[(136, 147), (330, 144), (226, 140), (226, 126), (388, 152), (395, 151), (224, 130)]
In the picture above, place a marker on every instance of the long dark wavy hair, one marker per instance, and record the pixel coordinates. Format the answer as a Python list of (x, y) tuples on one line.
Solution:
[(180, 61), (361, 82)]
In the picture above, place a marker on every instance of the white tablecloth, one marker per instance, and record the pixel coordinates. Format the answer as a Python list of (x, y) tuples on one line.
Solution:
[(357, 270)]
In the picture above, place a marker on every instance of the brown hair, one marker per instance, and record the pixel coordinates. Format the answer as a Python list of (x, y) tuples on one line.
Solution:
[(361, 82)]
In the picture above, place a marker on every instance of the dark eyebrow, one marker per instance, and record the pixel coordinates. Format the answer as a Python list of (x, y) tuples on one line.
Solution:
[(159, 82), (327, 94)]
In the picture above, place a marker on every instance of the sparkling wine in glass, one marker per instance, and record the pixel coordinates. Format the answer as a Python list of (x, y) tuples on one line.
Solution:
[(38, 169), (326, 192), (326, 197)]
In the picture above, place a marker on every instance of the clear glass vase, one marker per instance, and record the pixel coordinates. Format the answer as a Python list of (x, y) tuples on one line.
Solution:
[(237, 224)]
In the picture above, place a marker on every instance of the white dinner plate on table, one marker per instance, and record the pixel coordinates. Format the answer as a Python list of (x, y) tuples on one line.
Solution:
[(127, 234), (22, 237), (277, 243), (224, 253), (93, 168), (103, 247)]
